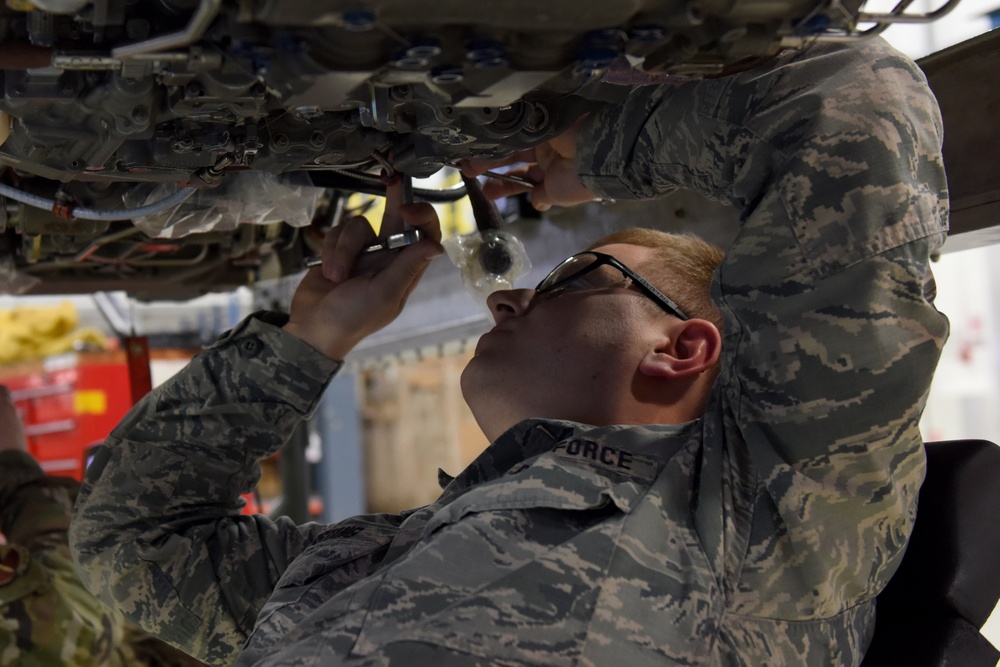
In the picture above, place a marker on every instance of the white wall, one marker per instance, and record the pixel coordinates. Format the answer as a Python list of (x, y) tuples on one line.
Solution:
[(968, 19), (965, 396)]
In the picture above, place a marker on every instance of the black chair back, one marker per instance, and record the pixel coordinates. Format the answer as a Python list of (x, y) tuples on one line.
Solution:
[(948, 584)]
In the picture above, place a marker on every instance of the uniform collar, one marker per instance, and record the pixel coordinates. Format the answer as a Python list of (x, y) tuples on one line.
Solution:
[(533, 437)]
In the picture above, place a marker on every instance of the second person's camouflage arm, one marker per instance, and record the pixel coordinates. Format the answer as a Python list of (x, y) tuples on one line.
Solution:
[(34, 508)]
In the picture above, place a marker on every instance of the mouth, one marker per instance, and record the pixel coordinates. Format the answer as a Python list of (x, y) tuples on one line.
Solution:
[(498, 328), (495, 330)]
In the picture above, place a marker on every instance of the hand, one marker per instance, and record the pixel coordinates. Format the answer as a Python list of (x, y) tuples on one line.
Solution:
[(339, 303), (11, 428), (550, 166)]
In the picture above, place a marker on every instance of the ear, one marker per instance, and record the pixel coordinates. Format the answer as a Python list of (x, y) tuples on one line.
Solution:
[(686, 350)]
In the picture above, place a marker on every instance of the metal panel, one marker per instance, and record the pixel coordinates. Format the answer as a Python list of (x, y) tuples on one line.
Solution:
[(966, 80), (340, 472)]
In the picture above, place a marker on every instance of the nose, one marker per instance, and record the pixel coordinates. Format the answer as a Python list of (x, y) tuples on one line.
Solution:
[(507, 303)]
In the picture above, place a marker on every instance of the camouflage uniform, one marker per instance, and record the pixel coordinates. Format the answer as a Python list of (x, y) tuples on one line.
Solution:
[(757, 535), (47, 617)]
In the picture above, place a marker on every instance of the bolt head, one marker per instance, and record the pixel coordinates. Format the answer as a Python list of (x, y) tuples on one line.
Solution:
[(486, 53), (447, 74), (425, 48)]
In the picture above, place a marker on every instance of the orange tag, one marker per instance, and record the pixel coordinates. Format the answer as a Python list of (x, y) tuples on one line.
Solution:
[(11, 565)]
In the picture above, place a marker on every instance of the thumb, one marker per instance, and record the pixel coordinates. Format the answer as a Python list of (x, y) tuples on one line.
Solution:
[(397, 280), (540, 198)]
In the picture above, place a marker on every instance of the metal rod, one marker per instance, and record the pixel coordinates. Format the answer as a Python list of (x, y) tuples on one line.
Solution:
[(115, 313), (500, 176), (896, 16), (509, 178), (202, 19), (104, 240)]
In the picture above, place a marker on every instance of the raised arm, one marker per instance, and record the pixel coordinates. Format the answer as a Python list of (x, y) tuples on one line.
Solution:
[(157, 531), (831, 337)]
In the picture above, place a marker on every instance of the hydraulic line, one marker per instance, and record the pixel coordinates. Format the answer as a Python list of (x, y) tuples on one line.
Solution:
[(358, 181)]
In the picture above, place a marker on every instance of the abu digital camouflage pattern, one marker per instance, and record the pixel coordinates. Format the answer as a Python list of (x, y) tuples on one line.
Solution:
[(757, 535)]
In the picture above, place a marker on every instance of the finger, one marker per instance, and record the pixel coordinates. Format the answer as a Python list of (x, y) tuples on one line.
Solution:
[(389, 179), (357, 233), (565, 143), (540, 199), (478, 167), (392, 222), (399, 279), (327, 250), (422, 216)]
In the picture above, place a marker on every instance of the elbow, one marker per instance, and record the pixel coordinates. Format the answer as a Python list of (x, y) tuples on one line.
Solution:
[(99, 535), (96, 551)]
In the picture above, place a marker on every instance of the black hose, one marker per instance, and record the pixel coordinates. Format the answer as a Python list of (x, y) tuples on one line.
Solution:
[(358, 181)]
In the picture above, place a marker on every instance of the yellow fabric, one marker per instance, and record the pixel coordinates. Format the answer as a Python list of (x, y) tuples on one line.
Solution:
[(33, 332)]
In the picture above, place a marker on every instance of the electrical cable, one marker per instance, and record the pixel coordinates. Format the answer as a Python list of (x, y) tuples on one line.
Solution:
[(83, 213)]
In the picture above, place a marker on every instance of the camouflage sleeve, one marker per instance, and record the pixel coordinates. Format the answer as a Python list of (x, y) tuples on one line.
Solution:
[(34, 508), (833, 155), (157, 531)]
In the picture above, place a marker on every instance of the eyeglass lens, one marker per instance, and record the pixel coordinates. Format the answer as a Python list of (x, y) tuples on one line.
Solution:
[(578, 266)]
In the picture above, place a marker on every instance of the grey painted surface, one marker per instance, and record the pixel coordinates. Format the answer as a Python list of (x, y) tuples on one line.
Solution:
[(340, 477)]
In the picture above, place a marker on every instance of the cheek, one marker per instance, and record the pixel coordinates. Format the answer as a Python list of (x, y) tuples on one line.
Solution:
[(607, 336), (592, 352)]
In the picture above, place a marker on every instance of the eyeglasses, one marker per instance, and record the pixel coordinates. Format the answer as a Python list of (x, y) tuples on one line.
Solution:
[(581, 271)]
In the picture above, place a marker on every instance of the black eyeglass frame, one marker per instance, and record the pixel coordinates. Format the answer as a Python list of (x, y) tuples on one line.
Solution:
[(662, 300)]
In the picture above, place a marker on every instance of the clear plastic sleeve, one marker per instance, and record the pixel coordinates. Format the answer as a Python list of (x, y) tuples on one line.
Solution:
[(490, 261), (251, 197), (13, 281)]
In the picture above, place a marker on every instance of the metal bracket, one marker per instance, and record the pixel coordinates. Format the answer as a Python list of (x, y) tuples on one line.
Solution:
[(881, 21), (899, 15)]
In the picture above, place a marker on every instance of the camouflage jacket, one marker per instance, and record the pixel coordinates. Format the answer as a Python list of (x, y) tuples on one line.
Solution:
[(757, 535), (47, 617)]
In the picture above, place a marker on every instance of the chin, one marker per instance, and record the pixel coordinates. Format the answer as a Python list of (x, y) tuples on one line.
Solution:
[(468, 383), (483, 387)]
